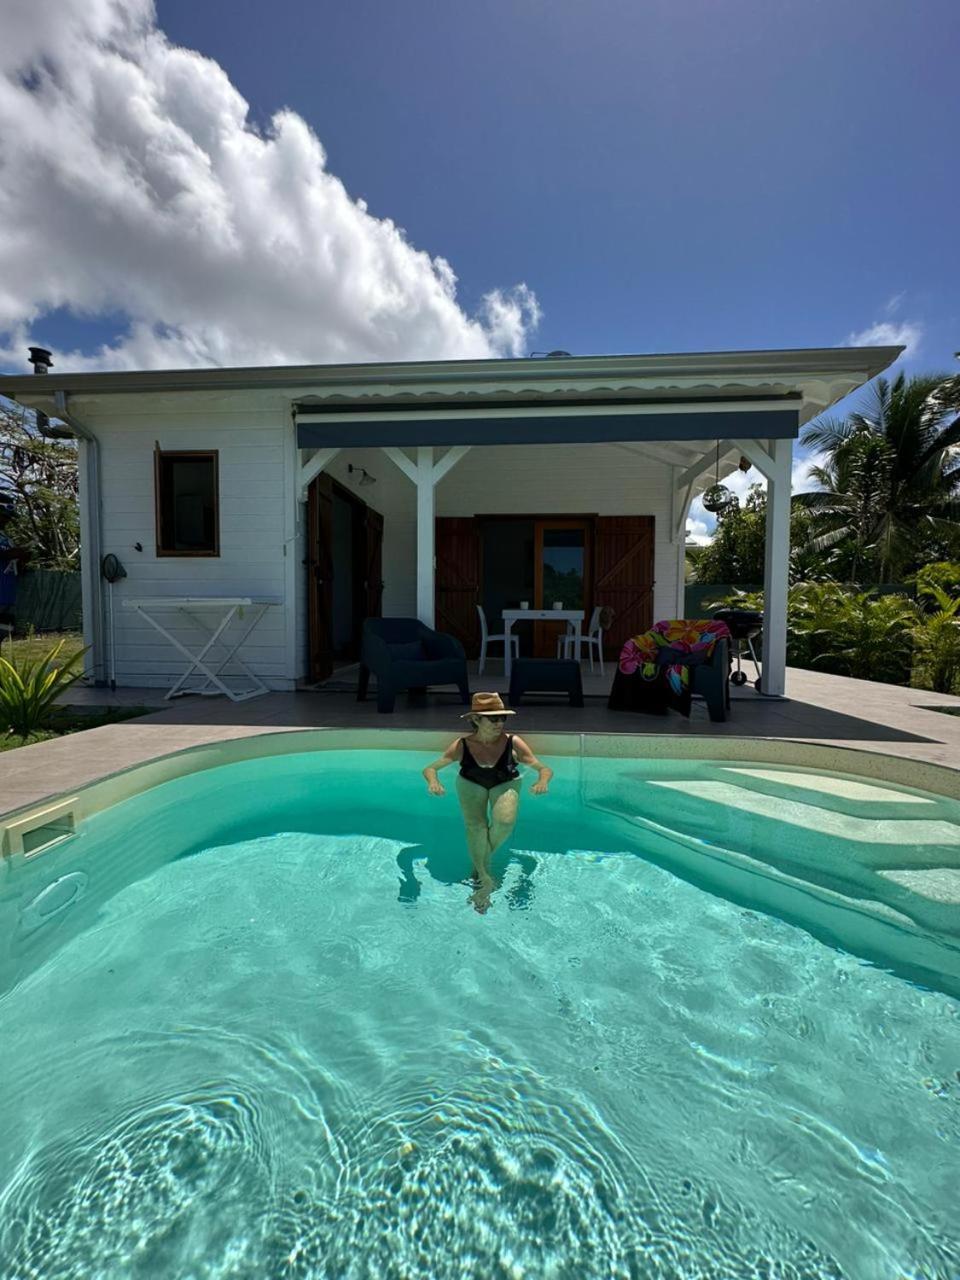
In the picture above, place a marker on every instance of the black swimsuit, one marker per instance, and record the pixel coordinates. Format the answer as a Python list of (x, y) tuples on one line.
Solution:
[(489, 775)]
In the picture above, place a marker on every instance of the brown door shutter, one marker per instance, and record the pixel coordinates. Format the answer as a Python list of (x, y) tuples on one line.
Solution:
[(457, 584), (623, 575), (320, 577), (373, 564)]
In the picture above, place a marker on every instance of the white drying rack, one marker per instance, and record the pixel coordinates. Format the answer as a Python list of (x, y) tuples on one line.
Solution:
[(212, 615)]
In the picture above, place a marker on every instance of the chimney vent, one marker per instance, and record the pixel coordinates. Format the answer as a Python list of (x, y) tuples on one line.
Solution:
[(41, 360)]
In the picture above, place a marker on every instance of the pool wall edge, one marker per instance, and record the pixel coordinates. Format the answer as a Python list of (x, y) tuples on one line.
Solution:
[(116, 787)]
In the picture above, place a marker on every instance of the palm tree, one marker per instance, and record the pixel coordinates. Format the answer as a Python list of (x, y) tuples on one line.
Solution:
[(890, 479)]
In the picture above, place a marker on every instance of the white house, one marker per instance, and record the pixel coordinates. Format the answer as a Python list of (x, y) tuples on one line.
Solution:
[(338, 491)]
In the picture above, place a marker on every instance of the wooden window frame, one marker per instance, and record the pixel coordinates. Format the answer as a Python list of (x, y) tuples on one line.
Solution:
[(541, 523), (214, 455)]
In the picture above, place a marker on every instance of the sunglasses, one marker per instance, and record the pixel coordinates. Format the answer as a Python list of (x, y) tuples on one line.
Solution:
[(496, 719)]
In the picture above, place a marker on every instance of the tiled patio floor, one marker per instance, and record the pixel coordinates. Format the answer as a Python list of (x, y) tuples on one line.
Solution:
[(819, 708)]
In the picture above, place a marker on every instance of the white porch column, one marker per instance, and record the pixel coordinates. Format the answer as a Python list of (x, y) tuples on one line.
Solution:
[(776, 569), (426, 551), (426, 475), (776, 463)]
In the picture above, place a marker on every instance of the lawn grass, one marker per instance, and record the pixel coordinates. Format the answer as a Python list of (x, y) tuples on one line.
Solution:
[(66, 719), (28, 648)]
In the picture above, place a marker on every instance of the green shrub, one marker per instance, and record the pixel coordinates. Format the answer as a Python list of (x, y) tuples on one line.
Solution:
[(29, 689), (868, 637), (845, 632), (936, 642), (943, 575)]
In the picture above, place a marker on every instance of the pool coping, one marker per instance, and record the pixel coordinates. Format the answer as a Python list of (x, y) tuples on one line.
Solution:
[(113, 788)]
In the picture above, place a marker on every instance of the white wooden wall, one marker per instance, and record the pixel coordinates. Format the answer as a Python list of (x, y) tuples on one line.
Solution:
[(262, 542), (255, 462)]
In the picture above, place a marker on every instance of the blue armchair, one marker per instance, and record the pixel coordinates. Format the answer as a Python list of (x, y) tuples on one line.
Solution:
[(404, 654)]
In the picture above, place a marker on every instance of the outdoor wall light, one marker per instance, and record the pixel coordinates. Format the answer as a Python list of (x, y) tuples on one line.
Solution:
[(364, 474)]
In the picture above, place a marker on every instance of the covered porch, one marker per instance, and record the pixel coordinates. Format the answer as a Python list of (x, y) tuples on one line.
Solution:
[(495, 482)]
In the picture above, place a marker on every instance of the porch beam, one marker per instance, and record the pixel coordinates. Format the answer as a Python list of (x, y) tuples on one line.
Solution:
[(681, 510), (776, 568), (696, 469), (400, 459), (755, 453), (599, 424), (449, 461), (310, 469)]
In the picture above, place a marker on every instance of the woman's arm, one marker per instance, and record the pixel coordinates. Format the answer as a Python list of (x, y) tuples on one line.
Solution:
[(450, 756), (526, 756)]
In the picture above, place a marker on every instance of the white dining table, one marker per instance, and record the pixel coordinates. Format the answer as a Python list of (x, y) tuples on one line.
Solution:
[(572, 617)]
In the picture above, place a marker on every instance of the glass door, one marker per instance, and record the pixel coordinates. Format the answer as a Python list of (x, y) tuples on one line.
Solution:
[(562, 565)]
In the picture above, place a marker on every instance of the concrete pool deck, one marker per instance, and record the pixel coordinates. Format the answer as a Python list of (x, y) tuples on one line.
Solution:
[(819, 709)]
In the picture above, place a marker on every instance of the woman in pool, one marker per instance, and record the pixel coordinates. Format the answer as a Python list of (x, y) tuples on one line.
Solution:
[(488, 786)]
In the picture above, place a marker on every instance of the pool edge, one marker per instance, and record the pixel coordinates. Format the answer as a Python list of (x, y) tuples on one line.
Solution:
[(122, 785)]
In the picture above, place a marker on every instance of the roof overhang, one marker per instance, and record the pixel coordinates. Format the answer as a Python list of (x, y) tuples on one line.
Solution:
[(577, 399)]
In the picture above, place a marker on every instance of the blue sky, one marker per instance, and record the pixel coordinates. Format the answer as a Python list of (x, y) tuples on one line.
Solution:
[(665, 176), (235, 182)]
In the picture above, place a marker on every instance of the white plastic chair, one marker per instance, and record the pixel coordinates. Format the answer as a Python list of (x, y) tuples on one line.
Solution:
[(593, 640), (486, 638)]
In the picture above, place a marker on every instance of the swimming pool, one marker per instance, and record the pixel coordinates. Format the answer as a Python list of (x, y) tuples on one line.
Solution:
[(710, 1027)]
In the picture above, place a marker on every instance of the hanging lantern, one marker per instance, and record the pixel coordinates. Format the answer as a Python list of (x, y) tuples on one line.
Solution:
[(718, 498)]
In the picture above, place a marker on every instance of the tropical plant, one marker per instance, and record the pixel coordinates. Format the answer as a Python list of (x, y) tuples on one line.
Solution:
[(890, 481), (869, 637), (944, 574), (28, 689), (736, 551), (835, 629), (936, 643)]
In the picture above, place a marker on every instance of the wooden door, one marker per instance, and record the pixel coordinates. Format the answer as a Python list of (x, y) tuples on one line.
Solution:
[(457, 582), (623, 575), (320, 577), (373, 564)]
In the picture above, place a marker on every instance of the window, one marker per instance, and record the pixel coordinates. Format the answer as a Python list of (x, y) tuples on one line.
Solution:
[(188, 503)]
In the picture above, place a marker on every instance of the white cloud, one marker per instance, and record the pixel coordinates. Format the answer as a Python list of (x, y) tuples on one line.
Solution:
[(698, 530), (889, 333), (892, 304), (132, 180), (800, 476)]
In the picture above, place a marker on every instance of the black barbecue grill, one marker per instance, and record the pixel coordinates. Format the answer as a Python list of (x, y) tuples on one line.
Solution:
[(745, 625)]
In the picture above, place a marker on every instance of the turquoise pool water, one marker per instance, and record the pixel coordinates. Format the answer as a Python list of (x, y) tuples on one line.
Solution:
[(255, 1029)]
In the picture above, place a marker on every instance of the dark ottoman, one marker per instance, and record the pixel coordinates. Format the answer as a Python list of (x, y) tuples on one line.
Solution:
[(545, 675)]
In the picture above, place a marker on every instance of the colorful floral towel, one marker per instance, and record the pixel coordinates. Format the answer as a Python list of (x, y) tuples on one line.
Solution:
[(659, 661)]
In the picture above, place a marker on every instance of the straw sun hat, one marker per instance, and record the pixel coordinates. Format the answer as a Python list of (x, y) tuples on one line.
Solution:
[(487, 704)]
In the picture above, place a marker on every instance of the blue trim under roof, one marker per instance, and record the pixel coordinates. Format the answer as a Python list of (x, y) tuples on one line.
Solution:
[(598, 428)]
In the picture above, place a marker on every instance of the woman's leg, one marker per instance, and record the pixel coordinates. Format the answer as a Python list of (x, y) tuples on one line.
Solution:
[(503, 813), (473, 805)]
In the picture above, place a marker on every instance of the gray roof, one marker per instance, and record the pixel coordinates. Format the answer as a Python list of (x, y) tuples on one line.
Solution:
[(786, 366)]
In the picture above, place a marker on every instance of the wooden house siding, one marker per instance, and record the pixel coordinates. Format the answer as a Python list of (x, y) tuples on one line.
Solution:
[(253, 482)]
